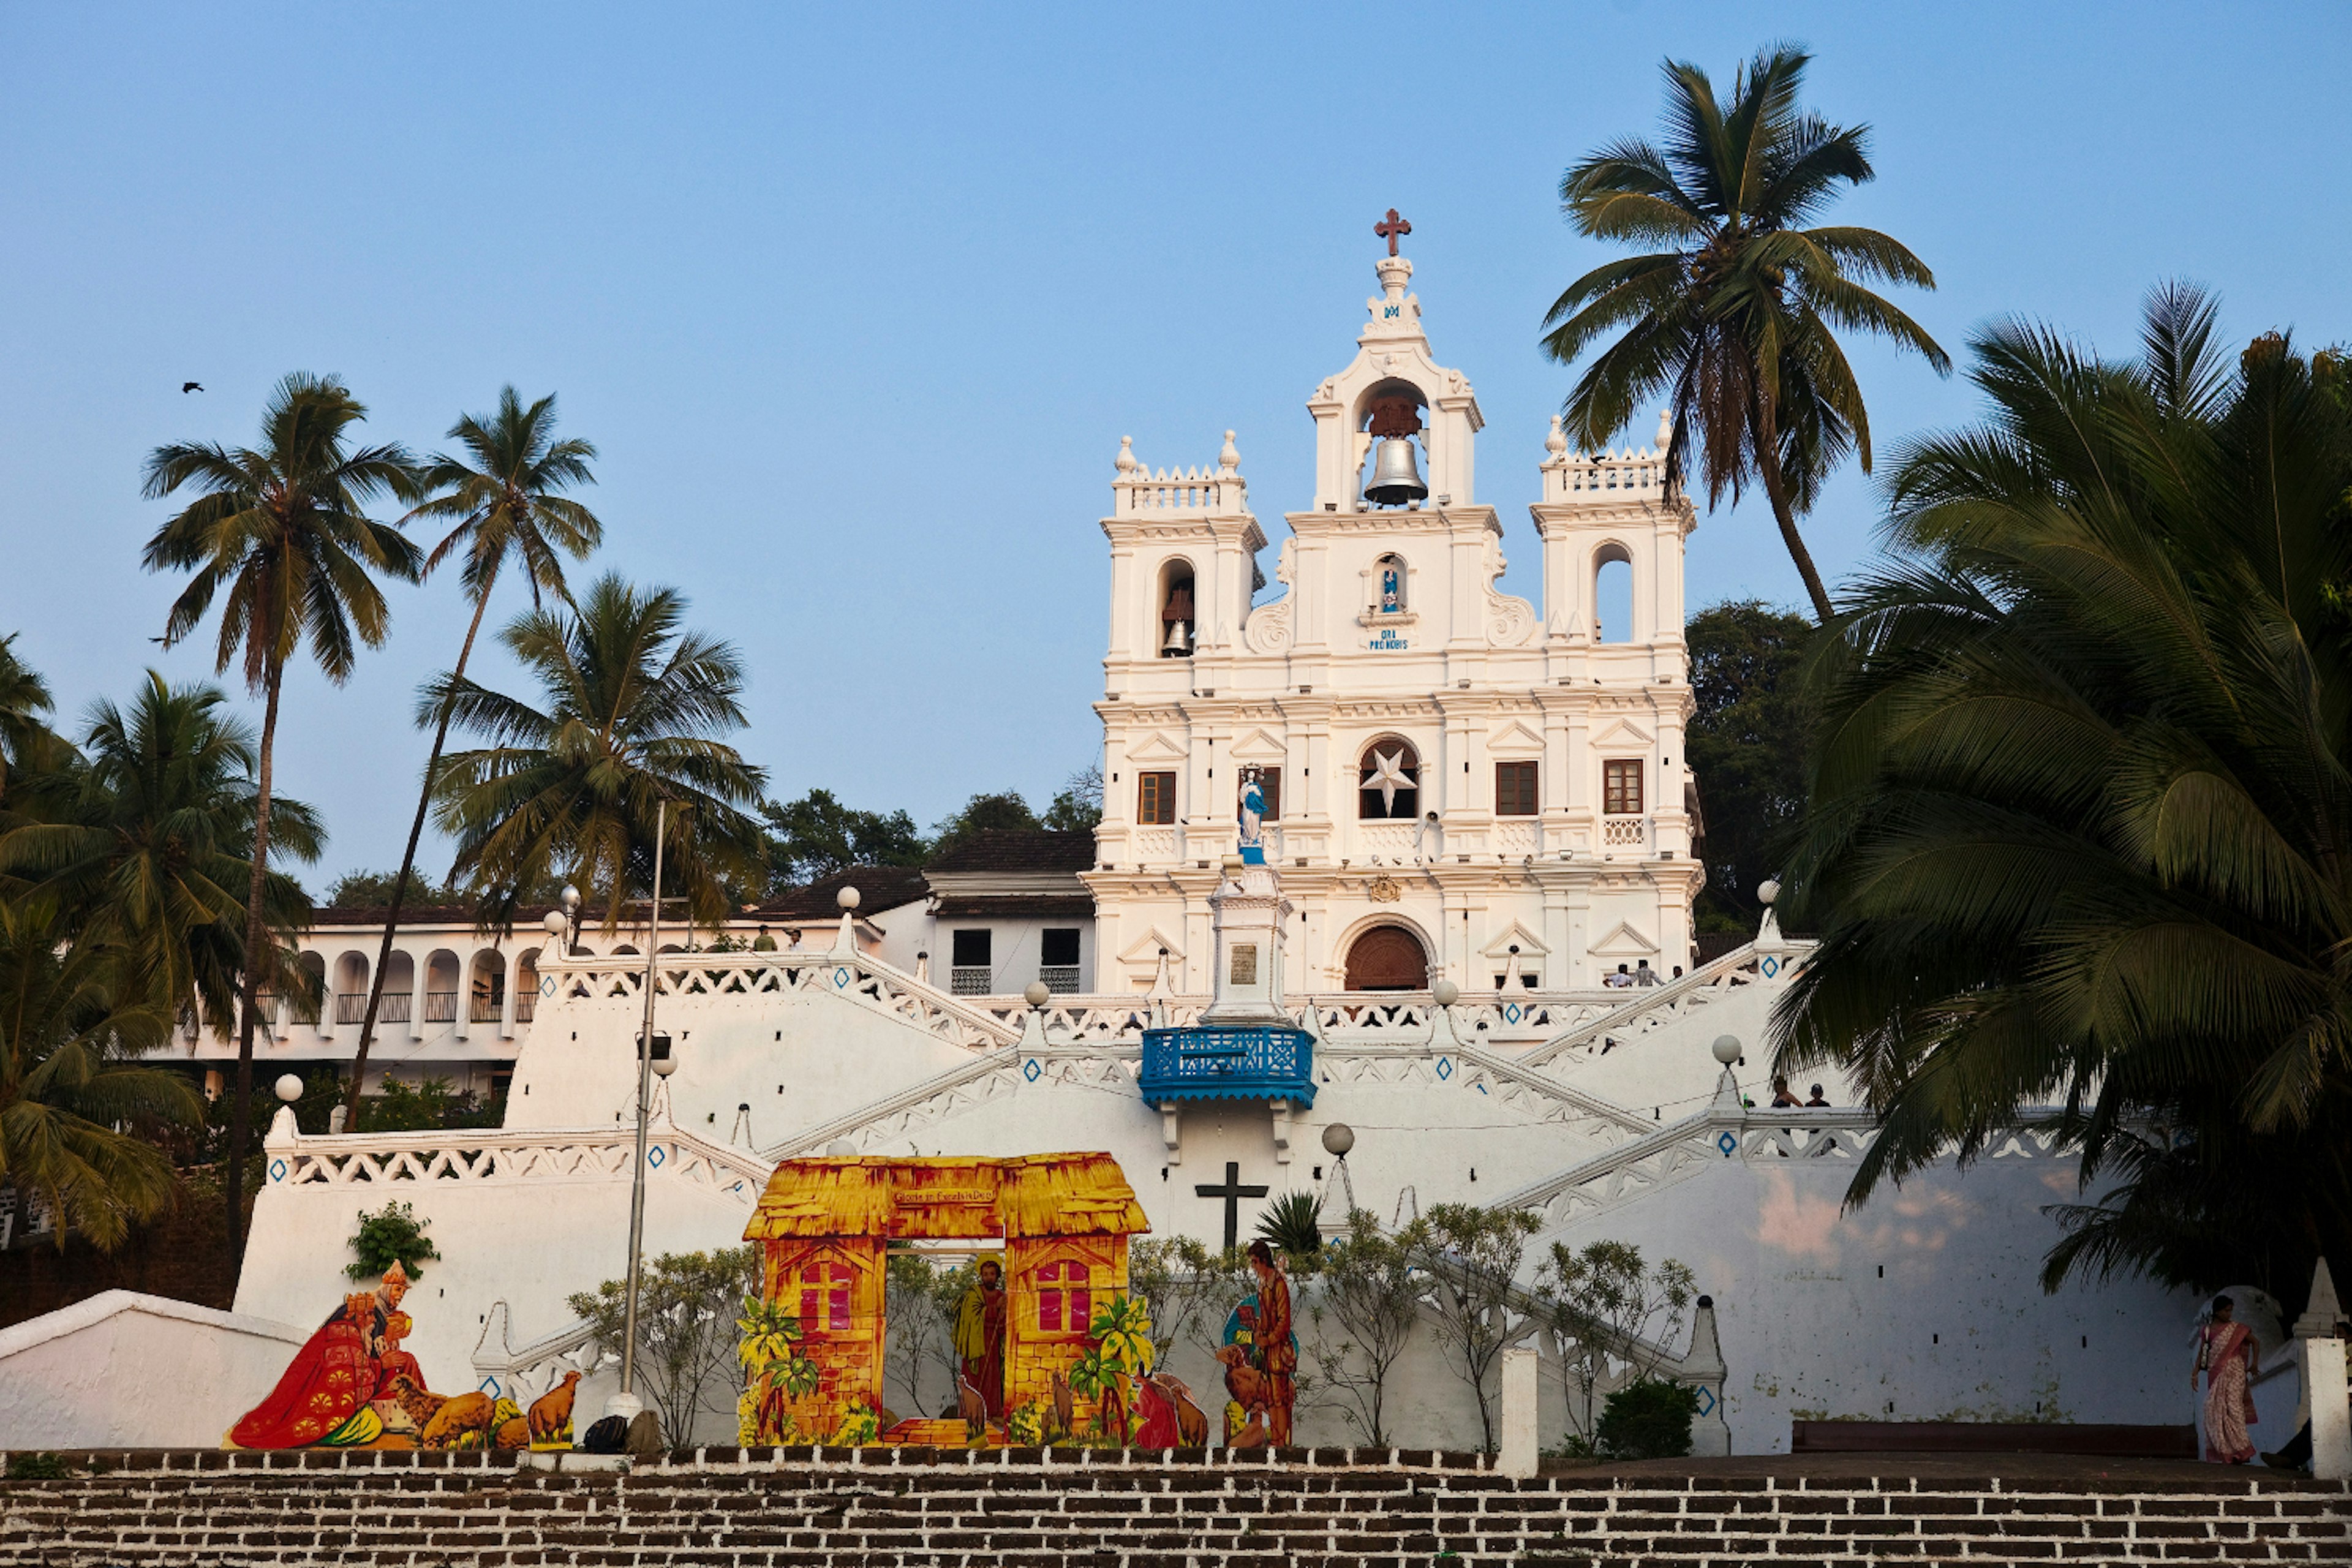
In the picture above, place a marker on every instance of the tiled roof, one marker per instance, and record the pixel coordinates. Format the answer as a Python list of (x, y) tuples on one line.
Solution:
[(1011, 849), (879, 887), (1016, 906), (409, 915)]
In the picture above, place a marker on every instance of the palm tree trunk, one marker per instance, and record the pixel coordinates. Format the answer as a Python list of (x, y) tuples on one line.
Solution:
[(407, 864), (256, 937), (1776, 487)]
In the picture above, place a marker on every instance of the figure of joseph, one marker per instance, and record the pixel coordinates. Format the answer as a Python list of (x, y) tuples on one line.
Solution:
[(980, 1336)]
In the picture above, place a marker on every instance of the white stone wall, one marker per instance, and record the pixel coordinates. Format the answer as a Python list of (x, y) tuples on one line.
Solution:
[(123, 1370)]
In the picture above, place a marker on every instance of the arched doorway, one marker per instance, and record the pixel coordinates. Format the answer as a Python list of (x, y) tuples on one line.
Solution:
[(1387, 958)]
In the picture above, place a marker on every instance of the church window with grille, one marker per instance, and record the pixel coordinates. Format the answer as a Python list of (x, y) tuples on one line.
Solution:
[(1515, 789), (1620, 788), (1155, 799)]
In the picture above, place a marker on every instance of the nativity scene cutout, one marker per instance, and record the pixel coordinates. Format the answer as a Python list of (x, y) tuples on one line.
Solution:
[(352, 1387), (1050, 1345)]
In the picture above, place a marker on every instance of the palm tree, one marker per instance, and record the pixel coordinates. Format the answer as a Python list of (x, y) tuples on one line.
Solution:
[(67, 1085), (2075, 842), (150, 852), (631, 714), (1734, 318), (279, 534), (25, 739), (507, 502)]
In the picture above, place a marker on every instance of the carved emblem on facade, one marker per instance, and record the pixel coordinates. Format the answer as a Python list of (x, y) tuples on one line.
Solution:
[(1384, 890)]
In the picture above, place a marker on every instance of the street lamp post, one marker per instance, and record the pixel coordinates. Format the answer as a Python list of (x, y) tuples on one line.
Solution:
[(625, 1403)]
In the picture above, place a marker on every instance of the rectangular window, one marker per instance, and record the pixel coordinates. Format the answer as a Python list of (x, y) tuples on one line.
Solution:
[(825, 1287), (1620, 788), (971, 948), (1058, 1311), (1058, 947), (1049, 1299), (1155, 799), (1269, 784), (1515, 789)]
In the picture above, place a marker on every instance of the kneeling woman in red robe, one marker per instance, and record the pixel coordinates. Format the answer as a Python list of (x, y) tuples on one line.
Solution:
[(355, 1356)]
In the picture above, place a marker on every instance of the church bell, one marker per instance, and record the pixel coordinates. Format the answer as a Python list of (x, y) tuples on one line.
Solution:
[(1178, 644), (1395, 480)]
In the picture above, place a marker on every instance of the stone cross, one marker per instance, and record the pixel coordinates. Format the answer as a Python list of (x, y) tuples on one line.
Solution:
[(1394, 226), (1232, 1192)]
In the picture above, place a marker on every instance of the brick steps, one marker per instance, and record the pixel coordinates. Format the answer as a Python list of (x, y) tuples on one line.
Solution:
[(1006, 1510)]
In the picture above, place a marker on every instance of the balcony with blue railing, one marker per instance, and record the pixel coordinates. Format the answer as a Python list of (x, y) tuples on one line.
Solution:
[(1248, 1063)]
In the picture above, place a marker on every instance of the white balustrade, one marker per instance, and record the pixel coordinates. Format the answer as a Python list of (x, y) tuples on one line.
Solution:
[(1625, 475), (861, 978)]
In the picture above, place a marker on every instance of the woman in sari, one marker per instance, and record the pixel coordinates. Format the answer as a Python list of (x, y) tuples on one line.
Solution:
[(2227, 1354)]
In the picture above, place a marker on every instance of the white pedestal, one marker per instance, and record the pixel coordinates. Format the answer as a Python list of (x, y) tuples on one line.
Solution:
[(2331, 1411), (1520, 1385)]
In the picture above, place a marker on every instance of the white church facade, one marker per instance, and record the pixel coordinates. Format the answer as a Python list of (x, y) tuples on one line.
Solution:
[(1461, 784), (1440, 762)]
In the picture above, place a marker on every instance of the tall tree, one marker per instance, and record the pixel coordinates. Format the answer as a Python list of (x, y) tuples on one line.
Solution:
[(1736, 319), (150, 852), (1000, 811), (504, 500), (2075, 840), (817, 836), (280, 535), (1747, 740), (26, 739), (69, 1082), (632, 708)]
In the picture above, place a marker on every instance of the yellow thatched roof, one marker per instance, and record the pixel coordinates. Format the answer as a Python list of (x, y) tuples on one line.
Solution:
[(949, 1197)]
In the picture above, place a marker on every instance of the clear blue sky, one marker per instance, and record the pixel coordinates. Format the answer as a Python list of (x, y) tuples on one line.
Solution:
[(859, 300)]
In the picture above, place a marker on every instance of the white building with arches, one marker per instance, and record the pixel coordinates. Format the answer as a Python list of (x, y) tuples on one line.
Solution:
[(1461, 784)]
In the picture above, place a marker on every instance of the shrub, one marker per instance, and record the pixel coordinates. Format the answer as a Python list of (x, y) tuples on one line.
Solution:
[(36, 1467), (392, 1233), (1648, 1419)]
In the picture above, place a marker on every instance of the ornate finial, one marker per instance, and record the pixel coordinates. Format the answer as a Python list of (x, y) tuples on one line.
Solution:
[(1557, 442), (1666, 428), (1229, 458), (1391, 226), (1127, 454)]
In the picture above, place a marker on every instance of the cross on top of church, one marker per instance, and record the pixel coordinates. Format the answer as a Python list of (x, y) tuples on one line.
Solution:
[(1391, 226)]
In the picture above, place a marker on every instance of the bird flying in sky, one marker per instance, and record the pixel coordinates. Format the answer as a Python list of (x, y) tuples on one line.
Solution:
[(188, 386)]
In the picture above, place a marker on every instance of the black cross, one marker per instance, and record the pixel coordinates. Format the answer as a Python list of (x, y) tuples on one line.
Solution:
[(1232, 1192)]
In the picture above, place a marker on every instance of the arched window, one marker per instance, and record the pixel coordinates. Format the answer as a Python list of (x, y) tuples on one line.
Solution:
[(1389, 586), (488, 988), (1388, 781), (351, 988), (1612, 594), (1178, 625)]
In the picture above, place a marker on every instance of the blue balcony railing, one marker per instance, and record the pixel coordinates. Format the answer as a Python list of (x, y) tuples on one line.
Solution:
[(1229, 1064)]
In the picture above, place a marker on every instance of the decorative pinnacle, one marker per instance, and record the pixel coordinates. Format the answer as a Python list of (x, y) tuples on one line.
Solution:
[(1557, 442), (1229, 457), (1127, 454)]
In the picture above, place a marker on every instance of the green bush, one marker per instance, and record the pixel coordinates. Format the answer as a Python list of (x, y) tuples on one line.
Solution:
[(1648, 1420), (392, 1231), (36, 1467)]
